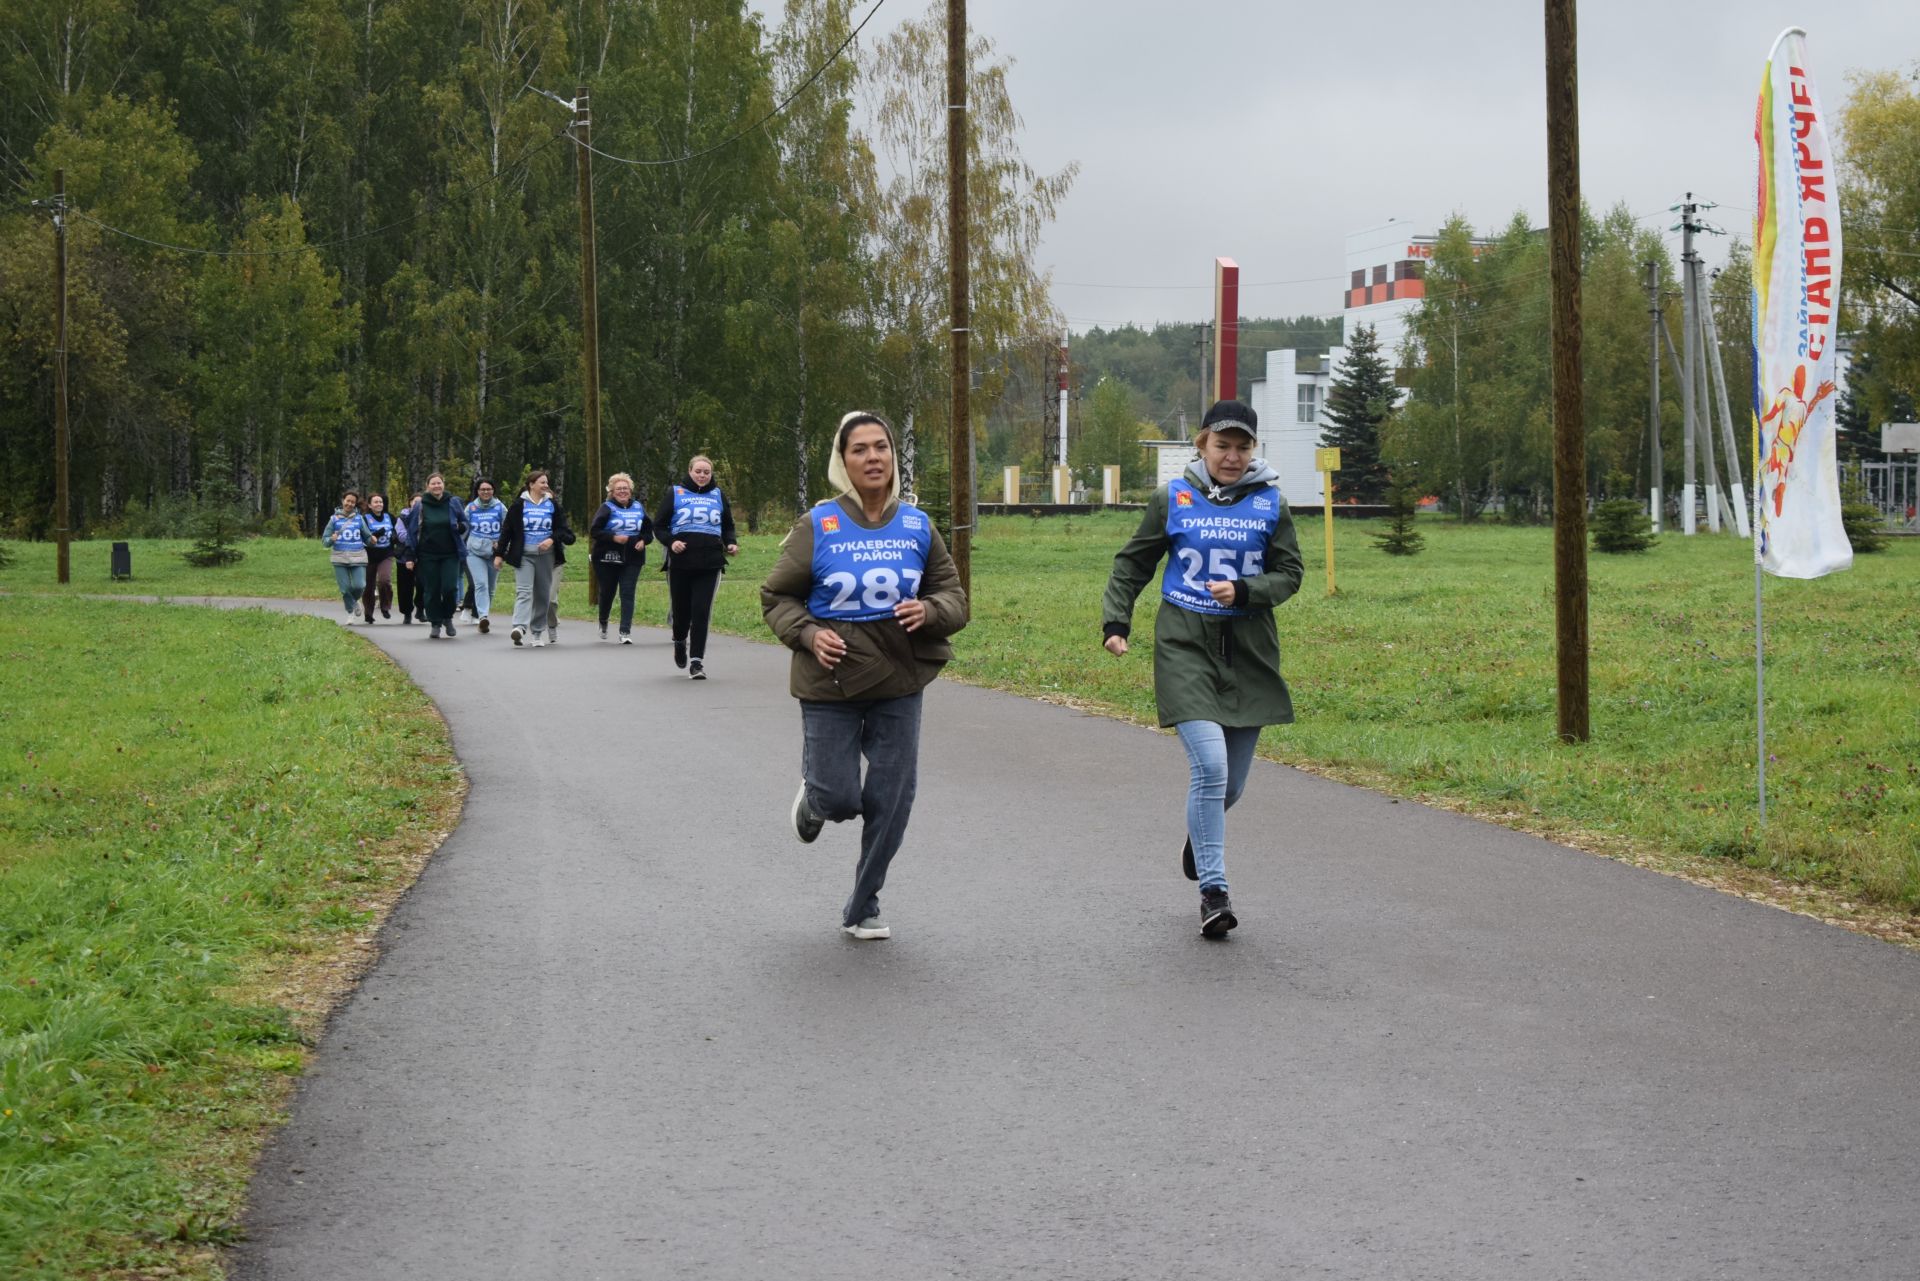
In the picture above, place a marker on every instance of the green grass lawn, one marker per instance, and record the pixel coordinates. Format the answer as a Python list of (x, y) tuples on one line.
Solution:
[(200, 815), (1433, 677)]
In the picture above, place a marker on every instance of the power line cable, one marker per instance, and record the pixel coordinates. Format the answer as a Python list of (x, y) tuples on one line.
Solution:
[(778, 107)]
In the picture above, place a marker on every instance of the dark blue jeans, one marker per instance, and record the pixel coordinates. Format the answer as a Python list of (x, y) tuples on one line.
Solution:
[(834, 736)]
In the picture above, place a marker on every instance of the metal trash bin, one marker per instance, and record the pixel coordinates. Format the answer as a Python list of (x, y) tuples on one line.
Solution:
[(122, 566)]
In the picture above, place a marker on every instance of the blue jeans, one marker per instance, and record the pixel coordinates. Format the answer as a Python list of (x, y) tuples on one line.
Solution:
[(352, 582), (834, 736), (1218, 759), (486, 577)]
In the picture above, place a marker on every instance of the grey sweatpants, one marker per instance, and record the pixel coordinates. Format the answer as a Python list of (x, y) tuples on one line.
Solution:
[(834, 736), (534, 589)]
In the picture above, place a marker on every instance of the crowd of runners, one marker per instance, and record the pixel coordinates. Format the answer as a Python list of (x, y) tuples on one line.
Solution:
[(438, 559), (866, 596)]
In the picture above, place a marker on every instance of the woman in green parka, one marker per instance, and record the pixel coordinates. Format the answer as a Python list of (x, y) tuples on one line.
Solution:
[(1231, 556)]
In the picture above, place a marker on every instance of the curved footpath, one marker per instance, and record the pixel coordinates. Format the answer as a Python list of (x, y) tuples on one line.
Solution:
[(615, 1032)]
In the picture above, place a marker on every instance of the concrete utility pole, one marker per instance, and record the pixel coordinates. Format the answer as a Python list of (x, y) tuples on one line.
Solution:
[(1688, 431), (1712, 338), (1064, 372), (960, 434), (589, 308), (1569, 428), (62, 501), (1655, 506), (1697, 343)]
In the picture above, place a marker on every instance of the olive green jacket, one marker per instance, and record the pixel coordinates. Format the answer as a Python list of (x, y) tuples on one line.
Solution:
[(883, 659), (1209, 667)]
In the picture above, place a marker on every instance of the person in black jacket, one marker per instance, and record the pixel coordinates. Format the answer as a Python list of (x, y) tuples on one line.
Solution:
[(620, 532), (532, 540), (436, 534), (700, 537), (405, 585)]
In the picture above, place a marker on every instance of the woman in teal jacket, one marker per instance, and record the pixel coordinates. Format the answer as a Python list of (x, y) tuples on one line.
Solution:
[(1231, 556)]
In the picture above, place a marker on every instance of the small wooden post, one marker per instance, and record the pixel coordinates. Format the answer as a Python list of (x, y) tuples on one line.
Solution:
[(1327, 461)]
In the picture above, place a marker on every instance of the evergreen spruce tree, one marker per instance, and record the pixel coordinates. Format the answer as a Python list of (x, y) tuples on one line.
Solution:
[(1620, 524), (1399, 537), (220, 522), (1866, 527), (1361, 398)]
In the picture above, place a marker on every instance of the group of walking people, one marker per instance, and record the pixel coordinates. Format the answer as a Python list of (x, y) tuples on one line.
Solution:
[(867, 597), (438, 542)]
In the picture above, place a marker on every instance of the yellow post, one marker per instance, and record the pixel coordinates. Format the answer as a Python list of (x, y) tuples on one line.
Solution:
[(1327, 462)]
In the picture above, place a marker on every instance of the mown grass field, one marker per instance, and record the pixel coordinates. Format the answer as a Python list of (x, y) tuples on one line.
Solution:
[(1433, 677), (201, 814)]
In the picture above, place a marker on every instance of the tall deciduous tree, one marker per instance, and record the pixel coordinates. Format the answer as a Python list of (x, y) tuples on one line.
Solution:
[(1010, 202), (1880, 201), (268, 381)]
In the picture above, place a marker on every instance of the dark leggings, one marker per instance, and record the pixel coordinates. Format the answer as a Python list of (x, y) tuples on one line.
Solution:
[(379, 585), (620, 576), (406, 585), (439, 578), (691, 592)]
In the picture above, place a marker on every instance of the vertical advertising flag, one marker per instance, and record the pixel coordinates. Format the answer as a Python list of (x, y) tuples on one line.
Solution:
[(1796, 309)]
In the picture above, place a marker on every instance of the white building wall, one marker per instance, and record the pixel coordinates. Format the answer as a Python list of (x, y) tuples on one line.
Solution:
[(1368, 251), (1285, 441)]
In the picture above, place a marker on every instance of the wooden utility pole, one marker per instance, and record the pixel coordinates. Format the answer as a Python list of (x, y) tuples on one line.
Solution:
[(62, 502), (589, 310), (1569, 429), (960, 433)]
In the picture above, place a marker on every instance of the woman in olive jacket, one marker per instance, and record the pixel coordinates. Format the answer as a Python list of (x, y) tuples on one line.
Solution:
[(865, 595), (1228, 540)]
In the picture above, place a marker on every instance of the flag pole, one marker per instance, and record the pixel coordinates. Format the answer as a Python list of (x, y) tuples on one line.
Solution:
[(1759, 646)]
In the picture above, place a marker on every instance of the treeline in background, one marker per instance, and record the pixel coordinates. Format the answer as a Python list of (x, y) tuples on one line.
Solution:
[(337, 243)]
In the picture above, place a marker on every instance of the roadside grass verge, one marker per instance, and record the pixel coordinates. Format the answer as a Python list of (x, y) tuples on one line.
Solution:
[(1432, 678), (203, 815)]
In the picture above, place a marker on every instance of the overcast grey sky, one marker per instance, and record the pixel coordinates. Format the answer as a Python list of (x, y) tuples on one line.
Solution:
[(1265, 132)]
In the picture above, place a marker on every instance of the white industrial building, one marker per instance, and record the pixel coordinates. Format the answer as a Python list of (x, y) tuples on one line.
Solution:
[(1386, 280)]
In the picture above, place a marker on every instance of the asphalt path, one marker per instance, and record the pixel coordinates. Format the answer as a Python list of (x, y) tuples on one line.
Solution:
[(615, 1031)]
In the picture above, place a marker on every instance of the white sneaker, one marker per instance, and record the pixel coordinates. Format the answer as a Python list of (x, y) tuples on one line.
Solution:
[(625, 639), (539, 641), (871, 928), (603, 633)]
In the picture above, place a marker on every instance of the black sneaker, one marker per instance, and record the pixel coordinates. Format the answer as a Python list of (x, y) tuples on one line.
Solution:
[(450, 632), (679, 653), (696, 670), (806, 824), (1186, 861), (1216, 914)]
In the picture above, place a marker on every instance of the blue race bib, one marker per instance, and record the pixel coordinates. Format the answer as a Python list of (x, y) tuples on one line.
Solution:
[(625, 520), (536, 522), (349, 535), (484, 521), (695, 512), (381, 527), (1212, 543), (860, 574)]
